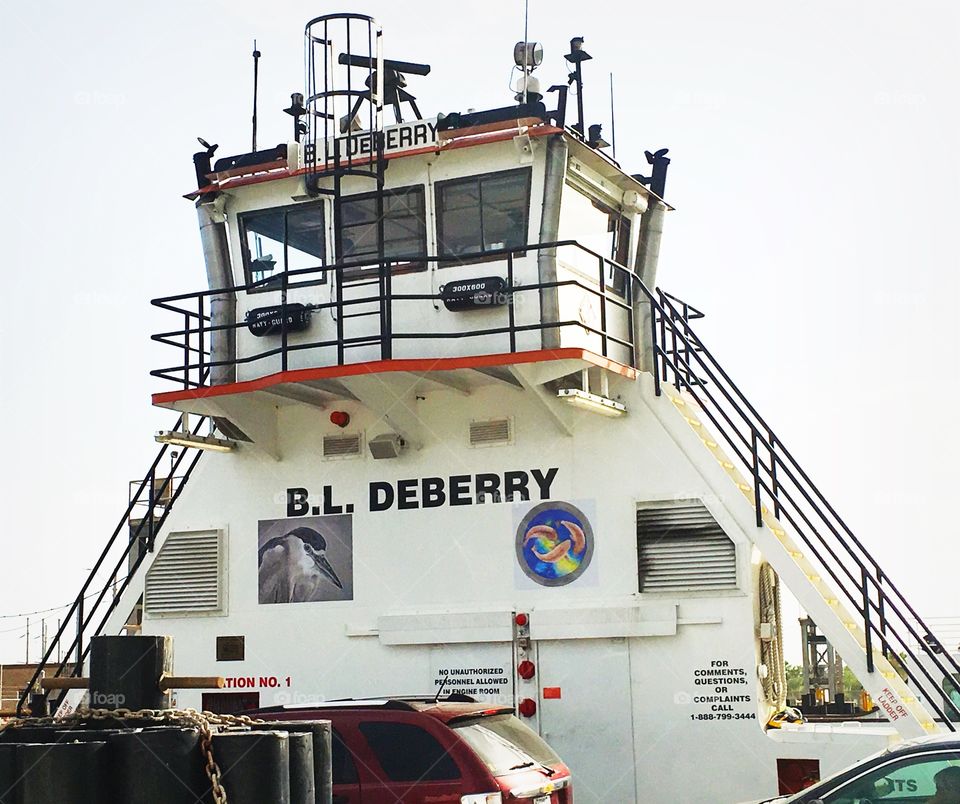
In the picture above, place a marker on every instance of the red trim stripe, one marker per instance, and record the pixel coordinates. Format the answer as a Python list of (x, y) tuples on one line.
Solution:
[(419, 364)]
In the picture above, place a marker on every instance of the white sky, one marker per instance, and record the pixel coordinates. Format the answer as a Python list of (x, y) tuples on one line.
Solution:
[(814, 171)]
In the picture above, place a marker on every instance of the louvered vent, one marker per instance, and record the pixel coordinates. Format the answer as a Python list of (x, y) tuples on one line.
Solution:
[(341, 446), (185, 575), (683, 549), (491, 431)]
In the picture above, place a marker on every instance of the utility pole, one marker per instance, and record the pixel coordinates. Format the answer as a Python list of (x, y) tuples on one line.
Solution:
[(27, 649)]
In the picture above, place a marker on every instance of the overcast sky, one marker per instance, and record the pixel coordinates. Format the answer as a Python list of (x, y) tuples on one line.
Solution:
[(814, 172)]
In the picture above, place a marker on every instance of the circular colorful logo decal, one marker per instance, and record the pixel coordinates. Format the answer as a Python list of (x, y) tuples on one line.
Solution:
[(554, 543)]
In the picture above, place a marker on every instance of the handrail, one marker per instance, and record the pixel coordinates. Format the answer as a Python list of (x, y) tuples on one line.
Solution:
[(153, 495), (778, 477), (192, 340)]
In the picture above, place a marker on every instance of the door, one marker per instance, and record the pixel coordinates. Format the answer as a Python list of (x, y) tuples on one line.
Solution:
[(586, 714), (344, 759)]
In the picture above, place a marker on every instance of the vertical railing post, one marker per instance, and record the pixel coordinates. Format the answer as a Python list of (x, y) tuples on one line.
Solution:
[(186, 349), (755, 456), (201, 337), (881, 613), (511, 310), (386, 325), (774, 481), (867, 635), (78, 670), (151, 491), (338, 278), (663, 344), (654, 344), (603, 305), (284, 336)]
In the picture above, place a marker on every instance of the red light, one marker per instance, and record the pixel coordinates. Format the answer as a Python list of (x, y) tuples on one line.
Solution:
[(521, 619), (340, 418), (551, 692), (526, 669), (527, 707)]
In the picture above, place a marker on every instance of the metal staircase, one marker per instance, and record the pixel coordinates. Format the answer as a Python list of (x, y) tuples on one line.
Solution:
[(98, 607), (834, 577)]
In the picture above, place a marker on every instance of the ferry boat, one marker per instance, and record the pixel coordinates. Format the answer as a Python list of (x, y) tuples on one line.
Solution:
[(440, 432)]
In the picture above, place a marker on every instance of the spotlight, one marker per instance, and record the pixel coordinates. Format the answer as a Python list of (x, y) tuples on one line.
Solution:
[(528, 54)]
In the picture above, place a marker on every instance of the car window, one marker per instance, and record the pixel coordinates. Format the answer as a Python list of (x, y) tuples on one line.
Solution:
[(922, 778), (344, 770), (504, 743), (408, 753)]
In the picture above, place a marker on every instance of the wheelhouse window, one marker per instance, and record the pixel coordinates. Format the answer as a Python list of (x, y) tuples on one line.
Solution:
[(283, 239), (404, 229), (599, 227), (483, 213)]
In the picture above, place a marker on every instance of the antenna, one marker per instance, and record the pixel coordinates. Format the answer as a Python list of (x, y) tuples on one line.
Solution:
[(442, 685), (526, 38), (613, 121), (256, 69)]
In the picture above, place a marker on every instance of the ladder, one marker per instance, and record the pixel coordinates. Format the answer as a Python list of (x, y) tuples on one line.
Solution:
[(853, 601), (345, 143), (96, 608)]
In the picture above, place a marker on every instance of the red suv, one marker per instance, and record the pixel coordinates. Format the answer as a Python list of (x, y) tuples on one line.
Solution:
[(421, 751)]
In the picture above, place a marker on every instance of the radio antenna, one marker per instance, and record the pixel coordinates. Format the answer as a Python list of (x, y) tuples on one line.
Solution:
[(256, 66), (613, 121), (526, 38)]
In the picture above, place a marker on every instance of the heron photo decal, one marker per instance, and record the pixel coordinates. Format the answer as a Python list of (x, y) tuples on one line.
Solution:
[(554, 543), (306, 559)]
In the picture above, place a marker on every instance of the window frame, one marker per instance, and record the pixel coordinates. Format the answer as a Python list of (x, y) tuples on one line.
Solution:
[(407, 267), (620, 226), (267, 286), (447, 261)]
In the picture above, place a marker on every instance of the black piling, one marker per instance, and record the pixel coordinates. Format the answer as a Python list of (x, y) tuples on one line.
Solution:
[(9, 792), (322, 748), (63, 773), (125, 671), (158, 766), (254, 766)]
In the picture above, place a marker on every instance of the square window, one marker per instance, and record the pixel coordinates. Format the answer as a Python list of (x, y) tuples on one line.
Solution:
[(483, 213), (283, 239), (404, 229)]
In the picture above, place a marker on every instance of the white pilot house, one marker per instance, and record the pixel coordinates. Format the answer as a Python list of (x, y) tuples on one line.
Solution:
[(437, 422)]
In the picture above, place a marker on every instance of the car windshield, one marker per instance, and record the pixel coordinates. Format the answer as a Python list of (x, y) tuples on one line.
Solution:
[(504, 743)]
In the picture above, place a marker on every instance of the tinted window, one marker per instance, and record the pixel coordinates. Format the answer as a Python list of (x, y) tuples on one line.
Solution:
[(344, 771), (913, 779), (404, 231), (483, 213), (285, 238), (504, 743), (408, 753)]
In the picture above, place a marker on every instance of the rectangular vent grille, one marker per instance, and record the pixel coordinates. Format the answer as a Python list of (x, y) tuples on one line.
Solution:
[(491, 431), (682, 548), (341, 446), (185, 575)]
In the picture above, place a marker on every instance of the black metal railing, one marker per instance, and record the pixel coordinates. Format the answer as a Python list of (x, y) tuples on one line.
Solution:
[(193, 340), (781, 486), (150, 502)]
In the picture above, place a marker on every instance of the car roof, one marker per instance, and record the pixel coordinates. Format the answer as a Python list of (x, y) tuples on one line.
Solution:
[(942, 740), (446, 711)]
